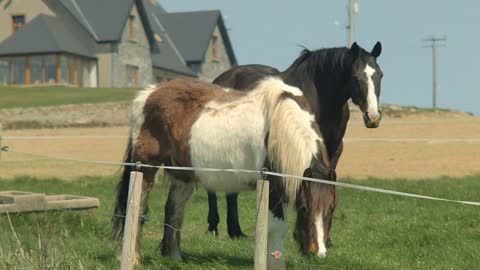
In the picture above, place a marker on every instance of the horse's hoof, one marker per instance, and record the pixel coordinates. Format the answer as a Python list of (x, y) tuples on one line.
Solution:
[(212, 232), (238, 235), (176, 257), (329, 243)]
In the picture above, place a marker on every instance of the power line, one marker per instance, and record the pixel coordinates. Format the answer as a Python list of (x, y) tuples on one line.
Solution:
[(434, 43)]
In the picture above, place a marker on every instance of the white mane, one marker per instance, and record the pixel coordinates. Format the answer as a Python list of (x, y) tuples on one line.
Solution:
[(292, 140)]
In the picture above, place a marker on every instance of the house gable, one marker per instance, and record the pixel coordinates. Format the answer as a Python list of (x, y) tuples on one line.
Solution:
[(211, 53), (29, 8), (216, 59), (167, 61), (132, 59)]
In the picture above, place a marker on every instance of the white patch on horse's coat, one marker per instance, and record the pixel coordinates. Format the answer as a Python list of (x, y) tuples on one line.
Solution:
[(277, 229), (322, 250), (274, 83), (372, 101), (229, 137), (137, 118), (232, 135)]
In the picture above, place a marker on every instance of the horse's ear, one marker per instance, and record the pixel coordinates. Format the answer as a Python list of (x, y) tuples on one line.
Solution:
[(307, 173), (355, 49), (377, 49)]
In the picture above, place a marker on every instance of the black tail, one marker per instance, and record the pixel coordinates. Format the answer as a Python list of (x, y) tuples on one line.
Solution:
[(119, 213)]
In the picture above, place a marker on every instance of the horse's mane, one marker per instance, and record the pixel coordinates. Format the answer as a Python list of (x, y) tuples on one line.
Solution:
[(322, 60), (292, 141)]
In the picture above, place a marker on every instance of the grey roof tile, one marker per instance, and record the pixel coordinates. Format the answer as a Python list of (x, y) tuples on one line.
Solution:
[(47, 34), (191, 33), (168, 56), (104, 19)]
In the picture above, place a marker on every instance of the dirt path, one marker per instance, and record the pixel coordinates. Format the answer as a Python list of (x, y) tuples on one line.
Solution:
[(79, 115), (415, 146)]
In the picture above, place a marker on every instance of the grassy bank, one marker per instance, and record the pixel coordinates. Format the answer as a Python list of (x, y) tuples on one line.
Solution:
[(371, 231), (16, 97)]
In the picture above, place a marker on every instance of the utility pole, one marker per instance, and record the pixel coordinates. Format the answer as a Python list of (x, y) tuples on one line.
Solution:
[(433, 42), (352, 10)]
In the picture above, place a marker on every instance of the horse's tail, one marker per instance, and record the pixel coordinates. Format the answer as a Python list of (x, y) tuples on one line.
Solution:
[(120, 211), (136, 122)]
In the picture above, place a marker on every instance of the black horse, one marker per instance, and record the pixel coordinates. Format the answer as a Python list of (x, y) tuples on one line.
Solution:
[(328, 78)]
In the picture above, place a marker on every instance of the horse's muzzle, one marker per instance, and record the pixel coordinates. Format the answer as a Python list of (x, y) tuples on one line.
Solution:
[(372, 121)]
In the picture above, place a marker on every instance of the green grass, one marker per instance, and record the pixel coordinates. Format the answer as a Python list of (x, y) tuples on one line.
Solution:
[(17, 97), (370, 231)]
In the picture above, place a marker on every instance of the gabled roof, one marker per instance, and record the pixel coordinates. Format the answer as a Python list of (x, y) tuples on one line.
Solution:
[(105, 19), (168, 57), (47, 34), (198, 26)]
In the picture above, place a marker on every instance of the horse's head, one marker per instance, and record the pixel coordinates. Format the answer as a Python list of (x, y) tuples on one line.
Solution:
[(365, 83), (315, 206)]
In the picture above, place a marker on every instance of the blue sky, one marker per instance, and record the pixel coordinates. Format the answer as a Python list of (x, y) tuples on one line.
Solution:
[(269, 31)]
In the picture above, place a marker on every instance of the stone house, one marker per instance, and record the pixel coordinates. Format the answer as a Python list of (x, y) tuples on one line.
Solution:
[(108, 43)]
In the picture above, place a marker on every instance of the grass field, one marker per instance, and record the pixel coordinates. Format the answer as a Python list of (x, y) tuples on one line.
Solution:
[(54, 96), (371, 231)]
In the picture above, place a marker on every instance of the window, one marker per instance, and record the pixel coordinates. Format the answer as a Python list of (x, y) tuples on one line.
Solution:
[(132, 76), (17, 22), (19, 65), (131, 28), (214, 47), (36, 73), (64, 68), (4, 71), (72, 71), (51, 69)]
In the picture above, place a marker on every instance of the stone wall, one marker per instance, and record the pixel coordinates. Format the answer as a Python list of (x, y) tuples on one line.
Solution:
[(134, 52), (214, 66), (161, 75)]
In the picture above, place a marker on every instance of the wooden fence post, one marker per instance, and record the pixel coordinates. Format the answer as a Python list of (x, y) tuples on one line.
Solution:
[(261, 227), (131, 221)]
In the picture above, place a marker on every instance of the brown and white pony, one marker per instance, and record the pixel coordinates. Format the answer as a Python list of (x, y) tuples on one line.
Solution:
[(187, 122)]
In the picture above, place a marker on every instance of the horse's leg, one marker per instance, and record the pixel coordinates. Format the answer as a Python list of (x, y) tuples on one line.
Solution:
[(333, 164), (150, 151), (277, 226), (213, 217), (336, 156), (180, 191), (233, 224)]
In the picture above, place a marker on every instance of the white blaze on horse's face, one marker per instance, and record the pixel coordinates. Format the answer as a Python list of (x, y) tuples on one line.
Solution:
[(322, 249), (372, 101)]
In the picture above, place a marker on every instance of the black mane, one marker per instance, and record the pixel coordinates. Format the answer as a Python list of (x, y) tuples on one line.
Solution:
[(323, 60)]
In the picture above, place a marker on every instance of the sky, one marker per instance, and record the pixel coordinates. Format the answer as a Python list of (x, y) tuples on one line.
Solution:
[(270, 31)]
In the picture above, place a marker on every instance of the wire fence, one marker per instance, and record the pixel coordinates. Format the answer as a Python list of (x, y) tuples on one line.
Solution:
[(258, 173), (346, 139)]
